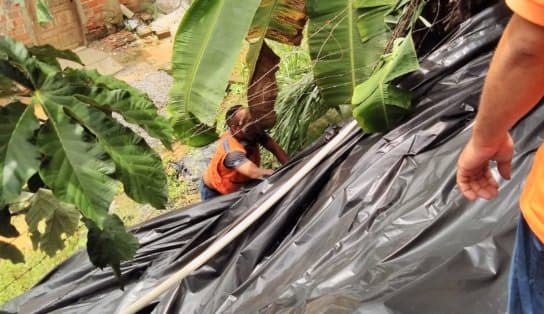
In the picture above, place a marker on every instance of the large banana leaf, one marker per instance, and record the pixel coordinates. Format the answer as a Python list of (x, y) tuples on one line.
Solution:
[(206, 47), (346, 39), (336, 49), (379, 104)]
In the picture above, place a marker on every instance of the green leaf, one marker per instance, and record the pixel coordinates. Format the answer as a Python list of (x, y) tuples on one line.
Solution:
[(11, 252), (191, 132), (19, 158), (371, 21), (336, 49), (15, 62), (13, 49), (299, 104), (42, 12), (346, 42), (22, 203), (132, 104), (138, 167), (6, 87), (378, 105), (206, 47), (74, 169), (59, 218), (111, 244), (16, 73), (50, 55)]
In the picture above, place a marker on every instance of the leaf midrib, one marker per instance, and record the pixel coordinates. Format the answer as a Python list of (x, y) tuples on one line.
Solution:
[(351, 44), (75, 173)]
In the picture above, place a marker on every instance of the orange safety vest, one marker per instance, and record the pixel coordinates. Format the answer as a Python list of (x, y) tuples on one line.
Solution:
[(532, 197), (227, 180)]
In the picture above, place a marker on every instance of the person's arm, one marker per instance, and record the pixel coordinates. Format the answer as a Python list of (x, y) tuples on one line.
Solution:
[(237, 160), (514, 85), (276, 150), (250, 169)]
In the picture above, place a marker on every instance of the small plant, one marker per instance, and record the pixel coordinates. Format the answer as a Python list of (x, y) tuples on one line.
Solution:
[(62, 152)]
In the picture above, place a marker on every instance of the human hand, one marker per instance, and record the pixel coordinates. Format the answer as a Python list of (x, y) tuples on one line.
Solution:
[(474, 176)]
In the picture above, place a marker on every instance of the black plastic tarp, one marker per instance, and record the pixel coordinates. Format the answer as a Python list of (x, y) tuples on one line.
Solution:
[(378, 227)]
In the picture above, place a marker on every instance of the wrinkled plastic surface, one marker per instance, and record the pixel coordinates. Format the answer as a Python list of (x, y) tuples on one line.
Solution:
[(378, 227)]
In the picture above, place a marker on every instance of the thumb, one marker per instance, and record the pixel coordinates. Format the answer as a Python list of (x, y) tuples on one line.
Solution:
[(505, 168)]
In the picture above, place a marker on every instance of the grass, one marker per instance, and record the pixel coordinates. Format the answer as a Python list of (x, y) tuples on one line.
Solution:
[(17, 278)]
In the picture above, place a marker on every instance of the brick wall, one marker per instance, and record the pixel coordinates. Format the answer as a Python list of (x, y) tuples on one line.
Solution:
[(97, 16), (13, 24), (94, 18)]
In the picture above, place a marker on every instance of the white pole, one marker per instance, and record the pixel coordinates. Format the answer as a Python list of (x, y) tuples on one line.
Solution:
[(220, 243)]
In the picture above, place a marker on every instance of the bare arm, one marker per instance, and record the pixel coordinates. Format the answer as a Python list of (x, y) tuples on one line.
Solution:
[(515, 82), (250, 169), (276, 150), (514, 85)]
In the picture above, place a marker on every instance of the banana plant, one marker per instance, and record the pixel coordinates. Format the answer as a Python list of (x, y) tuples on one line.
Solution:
[(281, 21), (346, 41), (62, 152), (377, 103), (206, 47)]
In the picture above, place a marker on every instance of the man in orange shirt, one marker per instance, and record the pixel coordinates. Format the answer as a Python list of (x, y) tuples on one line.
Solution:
[(514, 85), (237, 159)]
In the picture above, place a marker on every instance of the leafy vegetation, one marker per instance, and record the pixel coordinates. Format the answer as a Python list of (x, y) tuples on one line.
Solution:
[(15, 278), (62, 152), (206, 48), (346, 40), (379, 104)]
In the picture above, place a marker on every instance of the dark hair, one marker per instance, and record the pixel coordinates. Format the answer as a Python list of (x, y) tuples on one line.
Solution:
[(231, 112)]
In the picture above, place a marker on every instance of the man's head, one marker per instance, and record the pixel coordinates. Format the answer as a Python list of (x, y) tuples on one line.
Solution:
[(239, 122), (236, 118)]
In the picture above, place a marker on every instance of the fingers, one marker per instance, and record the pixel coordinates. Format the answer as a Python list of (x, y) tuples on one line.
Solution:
[(477, 185), (474, 175)]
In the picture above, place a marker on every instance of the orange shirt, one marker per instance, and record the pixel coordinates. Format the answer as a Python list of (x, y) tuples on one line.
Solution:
[(532, 197), (531, 10), (227, 180)]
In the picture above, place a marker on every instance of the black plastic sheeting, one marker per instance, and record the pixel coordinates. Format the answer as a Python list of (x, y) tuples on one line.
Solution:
[(377, 227)]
